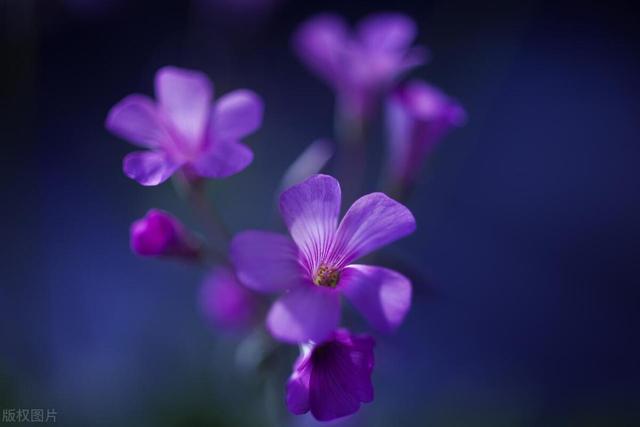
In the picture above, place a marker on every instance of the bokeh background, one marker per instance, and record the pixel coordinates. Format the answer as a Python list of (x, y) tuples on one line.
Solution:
[(528, 306)]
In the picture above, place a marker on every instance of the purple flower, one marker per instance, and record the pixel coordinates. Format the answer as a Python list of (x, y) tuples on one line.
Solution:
[(160, 234), (225, 302), (184, 130), (359, 65), (315, 267), (333, 378), (418, 117)]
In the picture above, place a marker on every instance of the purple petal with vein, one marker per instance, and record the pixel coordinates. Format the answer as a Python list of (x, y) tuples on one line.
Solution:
[(372, 221), (310, 210)]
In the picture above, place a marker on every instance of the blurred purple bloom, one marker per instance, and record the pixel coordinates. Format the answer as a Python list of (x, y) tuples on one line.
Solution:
[(333, 378), (418, 117), (160, 234), (225, 302), (359, 65), (315, 266), (183, 129)]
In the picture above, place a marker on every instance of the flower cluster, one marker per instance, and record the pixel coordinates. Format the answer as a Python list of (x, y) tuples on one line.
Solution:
[(187, 135)]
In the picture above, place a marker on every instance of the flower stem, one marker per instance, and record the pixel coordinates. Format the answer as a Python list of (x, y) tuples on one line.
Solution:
[(352, 160), (216, 232)]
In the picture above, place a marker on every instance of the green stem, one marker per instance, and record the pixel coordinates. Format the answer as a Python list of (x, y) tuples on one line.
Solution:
[(215, 230)]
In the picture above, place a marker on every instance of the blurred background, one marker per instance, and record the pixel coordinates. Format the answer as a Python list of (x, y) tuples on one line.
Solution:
[(528, 309)]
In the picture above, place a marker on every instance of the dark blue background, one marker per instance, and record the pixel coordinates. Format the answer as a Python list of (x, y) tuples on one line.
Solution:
[(528, 217)]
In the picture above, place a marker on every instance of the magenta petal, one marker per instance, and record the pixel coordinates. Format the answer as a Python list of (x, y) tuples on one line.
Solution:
[(310, 210), (223, 160), (341, 376), (372, 221), (387, 31), (185, 96), (149, 167), (303, 314), (383, 296), (235, 115), (266, 262), (136, 120), (320, 43)]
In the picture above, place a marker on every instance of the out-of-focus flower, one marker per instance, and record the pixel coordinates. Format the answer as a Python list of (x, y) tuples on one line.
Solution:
[(160, 234), (418, 117), (333, 378), (310, 162), (360, 65), (315, 266), (225, 302), (184, 130)]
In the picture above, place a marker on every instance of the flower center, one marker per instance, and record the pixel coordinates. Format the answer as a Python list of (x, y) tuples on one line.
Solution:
[(326, 276)]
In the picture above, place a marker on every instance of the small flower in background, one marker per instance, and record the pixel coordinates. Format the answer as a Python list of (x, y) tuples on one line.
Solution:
[(160, 234), (333, 378), (359, 65), (184, 130), (418, 117), (225, 303), (315, 266)]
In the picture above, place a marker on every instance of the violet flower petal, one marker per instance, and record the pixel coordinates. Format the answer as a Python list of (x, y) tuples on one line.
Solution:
[(235, 115), (265, 261), (371, 222), (303, 314), (320, 42), (387, 31), (149, 167), (383, 296), (135, 119), (310, 210), (223, 160), (185, 97)]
